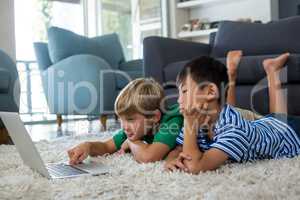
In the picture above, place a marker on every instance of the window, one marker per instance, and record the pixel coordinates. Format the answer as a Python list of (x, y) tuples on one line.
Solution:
[(133, 20), (150, 22), (31, 26), (115, 16)]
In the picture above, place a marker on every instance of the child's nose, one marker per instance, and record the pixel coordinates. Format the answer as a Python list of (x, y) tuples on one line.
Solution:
[(125, 126), (179, 100)]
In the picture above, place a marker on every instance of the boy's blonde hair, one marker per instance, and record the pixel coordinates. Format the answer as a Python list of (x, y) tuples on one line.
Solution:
[(142, 95)]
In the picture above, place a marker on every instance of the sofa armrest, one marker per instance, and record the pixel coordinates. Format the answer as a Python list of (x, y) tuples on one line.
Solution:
[(159, 52), (42, 55), (81, 80), (10, 84), (4, 81), (132, 65)]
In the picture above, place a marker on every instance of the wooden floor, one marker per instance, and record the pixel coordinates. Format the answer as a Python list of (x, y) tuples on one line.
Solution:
[(4, 137)]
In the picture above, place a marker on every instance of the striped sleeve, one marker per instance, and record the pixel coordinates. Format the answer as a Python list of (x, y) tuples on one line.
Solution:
[(180, 137), (233, 142)]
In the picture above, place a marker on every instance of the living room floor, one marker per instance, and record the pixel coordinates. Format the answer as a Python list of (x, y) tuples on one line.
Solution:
[(51, 131)]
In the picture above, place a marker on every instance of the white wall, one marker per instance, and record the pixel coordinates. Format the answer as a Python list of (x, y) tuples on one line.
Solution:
[(262, 10), (7, 29), (235, 9), (177, 17)]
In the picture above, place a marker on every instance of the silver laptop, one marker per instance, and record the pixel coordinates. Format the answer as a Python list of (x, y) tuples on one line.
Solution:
[(32, 158)]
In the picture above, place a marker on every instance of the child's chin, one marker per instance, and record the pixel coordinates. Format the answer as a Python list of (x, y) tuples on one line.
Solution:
[(132, 138)]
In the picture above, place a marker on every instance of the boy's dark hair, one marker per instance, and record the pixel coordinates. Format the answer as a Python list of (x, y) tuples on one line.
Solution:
[(205, 69)]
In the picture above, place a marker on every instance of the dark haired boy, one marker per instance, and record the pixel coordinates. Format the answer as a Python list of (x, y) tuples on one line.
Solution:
[(214, 133)]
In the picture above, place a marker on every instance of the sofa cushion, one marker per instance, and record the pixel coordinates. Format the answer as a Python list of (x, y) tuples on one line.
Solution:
[(171, 94), (124, 77), (64, 43), (171, 70), (4, 81), (132, 65), (129, 71), (258, 39), (251, 71), (42, 55), (256, 98)]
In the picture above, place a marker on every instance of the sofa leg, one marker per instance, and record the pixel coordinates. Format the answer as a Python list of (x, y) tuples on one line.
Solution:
[(59, 120), (103, 119), (4, 137)]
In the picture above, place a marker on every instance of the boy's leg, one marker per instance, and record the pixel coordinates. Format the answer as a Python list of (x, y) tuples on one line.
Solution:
[(248, 114), (232, 62), (272, 67)]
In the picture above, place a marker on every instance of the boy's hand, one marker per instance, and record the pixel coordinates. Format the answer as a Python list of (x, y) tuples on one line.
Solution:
[(171, 165), (124, 147), (178, 163), (233, 60), (197, 116), (79, 153)]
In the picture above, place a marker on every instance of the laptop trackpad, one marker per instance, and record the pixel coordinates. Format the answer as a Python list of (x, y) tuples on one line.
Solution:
[(92, 167)]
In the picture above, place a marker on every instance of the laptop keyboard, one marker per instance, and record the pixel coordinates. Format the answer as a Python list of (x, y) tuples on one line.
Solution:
[(62, 169)]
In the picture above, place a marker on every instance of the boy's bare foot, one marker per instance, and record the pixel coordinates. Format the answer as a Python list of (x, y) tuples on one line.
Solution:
[(233, 60), (272, 65)]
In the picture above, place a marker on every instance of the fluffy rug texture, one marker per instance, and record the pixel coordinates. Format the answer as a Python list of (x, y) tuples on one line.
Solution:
[(272, 179)]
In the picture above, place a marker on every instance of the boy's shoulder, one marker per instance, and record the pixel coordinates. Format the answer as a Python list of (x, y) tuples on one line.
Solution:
[(229, 116), (171, 112)]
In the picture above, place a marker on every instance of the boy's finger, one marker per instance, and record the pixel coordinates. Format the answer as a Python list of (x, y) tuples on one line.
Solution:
[(121, 151), (206, 120), (185, 156), (75, 157), (167, 167), (173, 168), (180, 165), (82, 157), (70, 153), (204, 108)]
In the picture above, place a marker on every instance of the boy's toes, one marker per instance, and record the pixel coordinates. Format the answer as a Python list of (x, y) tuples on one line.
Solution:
[(275, 64), (235, 53)]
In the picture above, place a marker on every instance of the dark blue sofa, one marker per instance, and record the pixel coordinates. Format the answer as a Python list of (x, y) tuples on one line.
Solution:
[(165, 57)]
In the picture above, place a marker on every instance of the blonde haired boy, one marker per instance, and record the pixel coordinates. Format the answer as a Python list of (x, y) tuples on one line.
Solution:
[(147, 132)]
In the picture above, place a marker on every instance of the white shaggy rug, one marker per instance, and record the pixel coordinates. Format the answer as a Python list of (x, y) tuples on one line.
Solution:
[(276, 179)]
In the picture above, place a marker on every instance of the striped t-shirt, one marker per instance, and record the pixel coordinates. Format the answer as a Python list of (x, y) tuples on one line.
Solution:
[(244, 140)]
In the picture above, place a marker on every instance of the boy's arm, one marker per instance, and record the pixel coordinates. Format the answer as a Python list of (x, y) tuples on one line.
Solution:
[(210, 160), (83, 150), (164, 140), (100, 148), (171, 160), (145, 153), (174, 154), (190, 145)]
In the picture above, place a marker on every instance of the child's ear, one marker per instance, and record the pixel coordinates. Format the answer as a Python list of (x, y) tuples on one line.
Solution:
[(212, 92), (157, 116)]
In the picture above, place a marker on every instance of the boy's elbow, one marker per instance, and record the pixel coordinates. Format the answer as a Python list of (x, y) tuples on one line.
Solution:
[(193, 169)]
